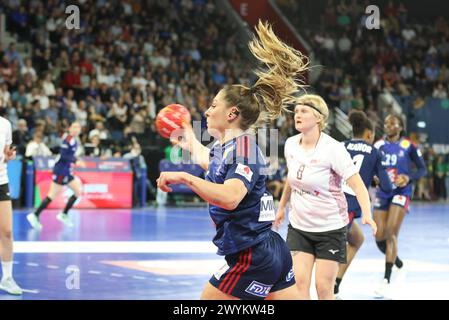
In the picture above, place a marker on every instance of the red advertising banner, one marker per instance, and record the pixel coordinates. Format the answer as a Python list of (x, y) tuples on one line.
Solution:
[(106, 184)]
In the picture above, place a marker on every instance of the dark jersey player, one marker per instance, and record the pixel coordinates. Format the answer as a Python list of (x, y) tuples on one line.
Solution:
[(400, 154), (369, 162), (62, 175), (258, 264)]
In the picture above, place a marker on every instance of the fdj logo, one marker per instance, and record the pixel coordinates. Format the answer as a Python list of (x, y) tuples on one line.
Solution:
[(72, 21), (258, 289), (373, 20)]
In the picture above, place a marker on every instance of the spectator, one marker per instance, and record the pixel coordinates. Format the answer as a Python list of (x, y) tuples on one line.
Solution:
[(37, 147), (344, 44), (97, 149), (346, 96), (81, 114), (5, 96), (139, 121), (406, 73), (28, 68), (48, 85), (432, 72), (439, 92), (21, 136), (99, 131), (12, 55)]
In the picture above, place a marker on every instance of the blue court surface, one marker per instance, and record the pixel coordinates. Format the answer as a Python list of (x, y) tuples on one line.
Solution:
[(167, 253)]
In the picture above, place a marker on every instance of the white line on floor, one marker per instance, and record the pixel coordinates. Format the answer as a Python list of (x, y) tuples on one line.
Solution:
[(32, 264), (119, 275), (94, 272), (114, 247)]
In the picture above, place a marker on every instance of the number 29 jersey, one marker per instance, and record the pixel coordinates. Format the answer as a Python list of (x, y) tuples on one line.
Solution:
[(397, 158)]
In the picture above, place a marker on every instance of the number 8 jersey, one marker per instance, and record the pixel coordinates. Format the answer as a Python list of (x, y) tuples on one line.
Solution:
[(318, 203), (397, 158)]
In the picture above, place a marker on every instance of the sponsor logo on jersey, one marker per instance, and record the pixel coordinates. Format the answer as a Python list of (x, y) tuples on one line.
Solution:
[(267, 209), (244, 171), (258, 289), (405, 144), (399, 199)]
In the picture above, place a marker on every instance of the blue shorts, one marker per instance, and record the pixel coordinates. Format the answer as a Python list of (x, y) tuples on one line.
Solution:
[(62, 179), (398, 199), (253, 273)]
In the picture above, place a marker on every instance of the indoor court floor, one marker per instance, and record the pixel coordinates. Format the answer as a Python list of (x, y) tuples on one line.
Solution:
[(167, 253)]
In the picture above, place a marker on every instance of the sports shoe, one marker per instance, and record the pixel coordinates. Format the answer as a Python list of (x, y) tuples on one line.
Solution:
[(34, 221), (10, 286), (384, 290), (65, 219)]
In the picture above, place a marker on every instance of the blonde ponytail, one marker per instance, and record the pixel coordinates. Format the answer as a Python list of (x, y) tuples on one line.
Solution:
[(278, 82)]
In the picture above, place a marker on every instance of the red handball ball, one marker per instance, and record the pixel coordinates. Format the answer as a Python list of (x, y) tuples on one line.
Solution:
[(171, 118)]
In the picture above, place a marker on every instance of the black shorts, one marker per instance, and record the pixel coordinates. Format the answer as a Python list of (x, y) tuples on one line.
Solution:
[(329, 245), (4, 192)]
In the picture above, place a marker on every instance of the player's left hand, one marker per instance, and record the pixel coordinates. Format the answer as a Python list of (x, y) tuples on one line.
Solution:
[(371, 222), (167, 178), (401, 180), (10, 154)]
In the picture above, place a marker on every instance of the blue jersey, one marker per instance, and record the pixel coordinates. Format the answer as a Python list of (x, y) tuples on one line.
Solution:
[(368, 161), (66, 156), (398, 158), (249, 223)]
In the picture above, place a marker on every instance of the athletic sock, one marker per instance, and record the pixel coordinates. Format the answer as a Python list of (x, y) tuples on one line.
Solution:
[(6, 269), (388, 268), (42, 206), (337, 285), (69, 204), (382, 245)]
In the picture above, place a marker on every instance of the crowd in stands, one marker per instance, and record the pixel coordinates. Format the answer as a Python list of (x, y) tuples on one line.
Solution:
[(125, 63), (128, 60), (406, 57), (401, 57), (113, 74)]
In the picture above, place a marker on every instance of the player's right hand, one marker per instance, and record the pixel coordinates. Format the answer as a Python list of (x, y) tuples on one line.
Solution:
[(187, 140)]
